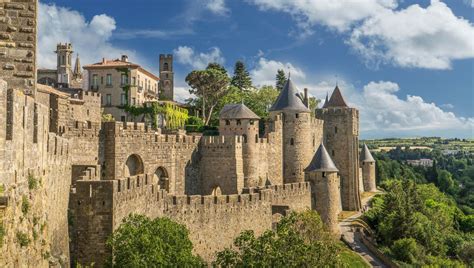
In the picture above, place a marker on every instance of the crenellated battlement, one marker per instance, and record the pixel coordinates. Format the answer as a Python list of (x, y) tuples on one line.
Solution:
[(219, 141), (336, 111)]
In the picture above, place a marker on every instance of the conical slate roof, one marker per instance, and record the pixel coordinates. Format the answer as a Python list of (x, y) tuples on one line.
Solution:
[(322, 161), (326, 101), (365, 155), (289, 100), (237, 111), (336, 99), (77, 66)]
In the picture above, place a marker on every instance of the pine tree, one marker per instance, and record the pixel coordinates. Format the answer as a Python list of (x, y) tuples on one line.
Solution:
[(241, 77), (280, 79)]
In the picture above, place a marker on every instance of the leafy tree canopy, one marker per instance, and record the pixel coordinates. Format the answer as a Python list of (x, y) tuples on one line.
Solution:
[(210, 85), (300, 240), (142, 242)]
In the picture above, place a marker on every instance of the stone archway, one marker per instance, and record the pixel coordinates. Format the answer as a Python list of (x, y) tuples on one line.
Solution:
[(133, 166), (161, 175)]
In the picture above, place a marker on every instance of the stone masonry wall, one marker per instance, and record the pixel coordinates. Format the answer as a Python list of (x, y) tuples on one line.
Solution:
[(176, 154), (341, 138), (221, 164), (35, 171), (18, 44), (213, 221)]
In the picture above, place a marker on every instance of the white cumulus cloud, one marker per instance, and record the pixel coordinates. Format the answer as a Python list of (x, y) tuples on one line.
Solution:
[(197, 60), (429, 37), (217, 7), (91, 39), (335, 14), (265, 71)]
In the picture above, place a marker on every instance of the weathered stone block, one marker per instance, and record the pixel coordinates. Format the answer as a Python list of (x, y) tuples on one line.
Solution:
[(23, 74), (11, 29), (9, 67), (14, 6), (27, 30), (7, 44), (5, 36), (26, 45)]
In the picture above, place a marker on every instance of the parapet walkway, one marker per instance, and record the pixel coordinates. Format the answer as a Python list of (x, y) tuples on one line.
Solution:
[(352, 238)]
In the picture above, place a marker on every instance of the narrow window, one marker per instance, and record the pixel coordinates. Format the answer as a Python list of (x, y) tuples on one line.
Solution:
[(227, 122), (296, 115), (95, 80), (292, 141), (324, 174), (332, 152), (256, 138), (122, 118), (165, 66), (335, 129), (238, 122), (108, 100), (251, 122), (109, 80), (245, 138), (122, 99)]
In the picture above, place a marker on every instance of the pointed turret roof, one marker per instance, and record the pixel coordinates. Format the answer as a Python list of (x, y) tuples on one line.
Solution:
[(322, 161), (365, 155), (237, 111), (289, 99), (326, 101), (336, 99), (77, 66)]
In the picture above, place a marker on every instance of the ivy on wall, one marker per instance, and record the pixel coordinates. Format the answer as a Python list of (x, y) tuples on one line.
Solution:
[(174, 117)]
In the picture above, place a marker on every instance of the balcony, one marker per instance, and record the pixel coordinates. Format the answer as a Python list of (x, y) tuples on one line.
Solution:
[(95, 88), (150, 93)]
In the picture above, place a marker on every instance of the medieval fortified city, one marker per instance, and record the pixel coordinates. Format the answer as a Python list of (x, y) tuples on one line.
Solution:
[(90, 152)]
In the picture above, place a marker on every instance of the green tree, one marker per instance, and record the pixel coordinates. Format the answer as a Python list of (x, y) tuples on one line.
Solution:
[(280, 80), (142, 242), (210, 85), (408, 250), (300, 240), (241, 78), (445, 181)]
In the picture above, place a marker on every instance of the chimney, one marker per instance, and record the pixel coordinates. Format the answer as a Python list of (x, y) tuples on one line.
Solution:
[(124, 58), (306, 100), (103, 60)]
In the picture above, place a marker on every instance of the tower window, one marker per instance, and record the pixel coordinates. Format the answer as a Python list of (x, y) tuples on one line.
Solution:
[(245, 138), (324, 174), (335, 129), (332, 152), (292, 141), (256, 138), (165, 66), (227, 122), (297, 115), (239, 122), (251, 122)]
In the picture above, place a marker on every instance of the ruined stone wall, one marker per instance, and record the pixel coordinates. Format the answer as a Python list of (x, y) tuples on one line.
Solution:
[(18, 44), (174, 153), (35, 171), (341, 138), (221, 164), (213, 221)]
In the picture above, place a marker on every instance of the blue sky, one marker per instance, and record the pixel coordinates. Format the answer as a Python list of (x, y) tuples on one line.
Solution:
[(407, 65)]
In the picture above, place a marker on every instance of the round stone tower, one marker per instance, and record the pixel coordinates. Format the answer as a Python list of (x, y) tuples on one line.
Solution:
[(326, 195), (297, 132), (341, 138), (239, 120), (367, 164)]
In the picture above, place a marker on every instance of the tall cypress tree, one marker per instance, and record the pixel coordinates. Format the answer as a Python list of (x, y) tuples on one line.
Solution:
[(280, 79), (241, 78)]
